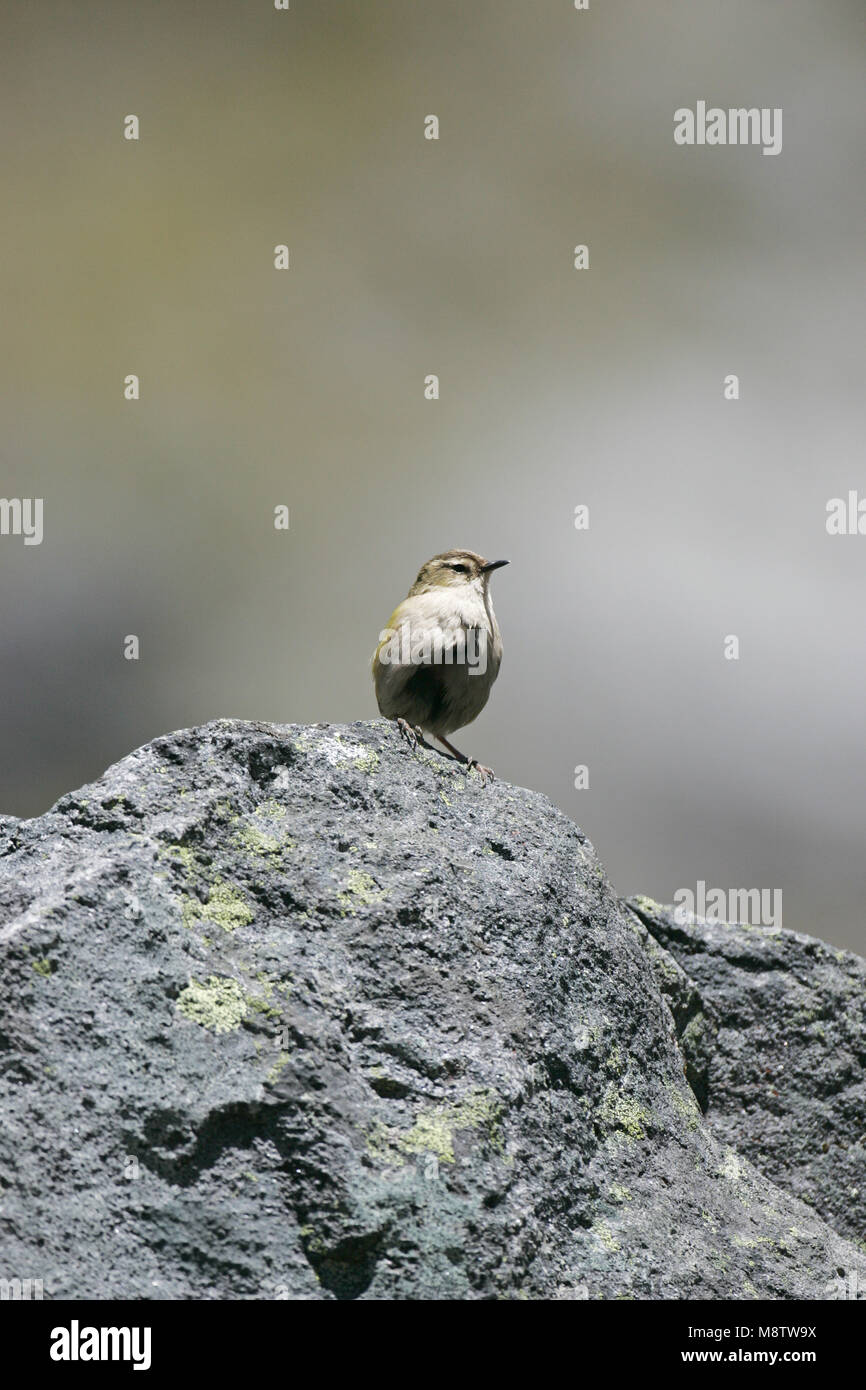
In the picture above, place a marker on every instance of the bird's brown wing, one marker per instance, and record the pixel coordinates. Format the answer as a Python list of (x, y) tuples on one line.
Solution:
[(427, 690)]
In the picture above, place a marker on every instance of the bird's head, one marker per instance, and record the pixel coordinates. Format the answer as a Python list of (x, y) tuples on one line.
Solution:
[(455, 569)]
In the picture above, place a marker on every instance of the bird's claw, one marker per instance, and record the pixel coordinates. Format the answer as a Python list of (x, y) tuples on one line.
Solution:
[(483, 772), (407, 732)]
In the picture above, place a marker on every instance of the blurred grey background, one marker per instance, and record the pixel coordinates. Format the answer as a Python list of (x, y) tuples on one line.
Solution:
[(558, 387)]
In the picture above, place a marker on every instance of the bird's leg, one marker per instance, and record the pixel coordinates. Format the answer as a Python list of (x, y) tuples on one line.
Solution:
[(483, 772)]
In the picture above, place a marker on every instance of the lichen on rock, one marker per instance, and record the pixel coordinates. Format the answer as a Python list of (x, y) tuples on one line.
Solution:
[(359, 1020)]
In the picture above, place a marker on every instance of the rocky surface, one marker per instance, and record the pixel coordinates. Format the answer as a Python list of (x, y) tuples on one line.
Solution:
[(775, 1026), (295, 1012)]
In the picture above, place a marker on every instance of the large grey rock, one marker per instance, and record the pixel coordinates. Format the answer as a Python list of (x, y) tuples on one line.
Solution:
[(294, 1011), (783, 1035)]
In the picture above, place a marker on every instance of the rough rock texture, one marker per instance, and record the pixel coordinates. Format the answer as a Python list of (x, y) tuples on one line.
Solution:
[(293, 1011), (775, 1025)]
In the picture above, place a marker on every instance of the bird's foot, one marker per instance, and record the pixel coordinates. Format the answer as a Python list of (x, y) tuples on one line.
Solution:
[(483, 772), (406, 731), (414, 737)]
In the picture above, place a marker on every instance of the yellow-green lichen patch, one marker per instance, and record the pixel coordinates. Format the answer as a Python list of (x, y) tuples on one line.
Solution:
[(42, 967), (685, 1104), (257, 1005), (750, 1242), (226, 907), (625, 1113), (184, 857), (663, 964), (618, 1193), (339, 754), (447, 776), (191, 864), (364, 759), (434, 1130), (263, 834), (257, 842), (217, 1004), (586, 1036), (647, 904), (602, 1232), (361, 891), (279, 1064)]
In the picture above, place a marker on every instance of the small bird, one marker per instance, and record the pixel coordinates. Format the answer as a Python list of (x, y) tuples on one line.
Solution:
[(441, 651)]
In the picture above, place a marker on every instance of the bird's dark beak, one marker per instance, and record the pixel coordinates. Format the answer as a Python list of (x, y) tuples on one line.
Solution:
[(494, 565)]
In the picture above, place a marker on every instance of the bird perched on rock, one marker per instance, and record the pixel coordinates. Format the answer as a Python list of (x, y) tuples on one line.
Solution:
[(440, 653)]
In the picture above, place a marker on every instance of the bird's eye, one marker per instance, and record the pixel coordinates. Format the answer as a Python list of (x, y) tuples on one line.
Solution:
[(459, 569)]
